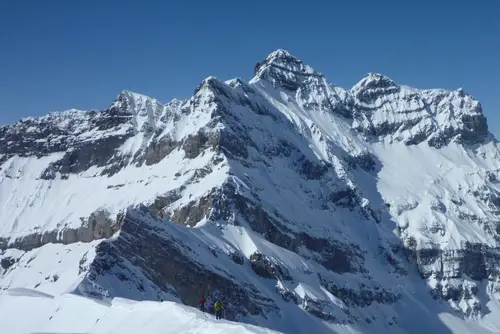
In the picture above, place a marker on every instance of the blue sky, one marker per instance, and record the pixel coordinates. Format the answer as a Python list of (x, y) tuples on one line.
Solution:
[(56, 55)]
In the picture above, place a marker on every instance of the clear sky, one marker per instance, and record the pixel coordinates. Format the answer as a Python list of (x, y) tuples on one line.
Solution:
[(57, 55)]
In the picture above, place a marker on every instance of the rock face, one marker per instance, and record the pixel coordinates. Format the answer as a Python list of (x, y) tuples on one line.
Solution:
[(382, 108), (98, 225), (277, 195)]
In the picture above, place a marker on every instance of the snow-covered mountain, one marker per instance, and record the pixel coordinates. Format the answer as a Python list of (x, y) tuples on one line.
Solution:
[(304, 206)]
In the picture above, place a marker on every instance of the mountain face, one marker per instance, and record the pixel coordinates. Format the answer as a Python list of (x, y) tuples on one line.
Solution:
[(304, 206)]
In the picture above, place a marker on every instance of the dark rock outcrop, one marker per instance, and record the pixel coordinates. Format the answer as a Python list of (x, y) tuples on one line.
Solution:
[(265, 267), (169, 263)]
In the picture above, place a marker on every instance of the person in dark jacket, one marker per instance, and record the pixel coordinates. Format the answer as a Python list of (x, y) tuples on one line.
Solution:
[(202, 304)]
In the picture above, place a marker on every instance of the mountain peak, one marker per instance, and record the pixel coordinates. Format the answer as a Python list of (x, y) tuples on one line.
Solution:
[(282, 69), (211, 83), (373, 81), (132, 102), (129, 95), (281, 54)]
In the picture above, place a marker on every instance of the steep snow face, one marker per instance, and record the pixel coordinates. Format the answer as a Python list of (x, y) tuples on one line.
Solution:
[(444, 197), (295, 201)]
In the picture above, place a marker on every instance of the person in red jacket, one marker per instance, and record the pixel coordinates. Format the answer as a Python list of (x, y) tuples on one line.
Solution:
[(202, 304)]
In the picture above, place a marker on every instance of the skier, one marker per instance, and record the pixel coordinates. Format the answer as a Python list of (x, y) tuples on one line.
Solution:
[(218, 309), (202, 304)]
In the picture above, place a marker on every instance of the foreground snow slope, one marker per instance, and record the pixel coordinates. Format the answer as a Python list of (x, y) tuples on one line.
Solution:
[(297, 202), (27, 311)]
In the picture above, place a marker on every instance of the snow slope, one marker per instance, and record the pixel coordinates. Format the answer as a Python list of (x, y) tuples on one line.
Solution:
[(27, 311), (301, 204)]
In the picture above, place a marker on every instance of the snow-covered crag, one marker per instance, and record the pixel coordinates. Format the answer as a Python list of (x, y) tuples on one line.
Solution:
[(301, 204)]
